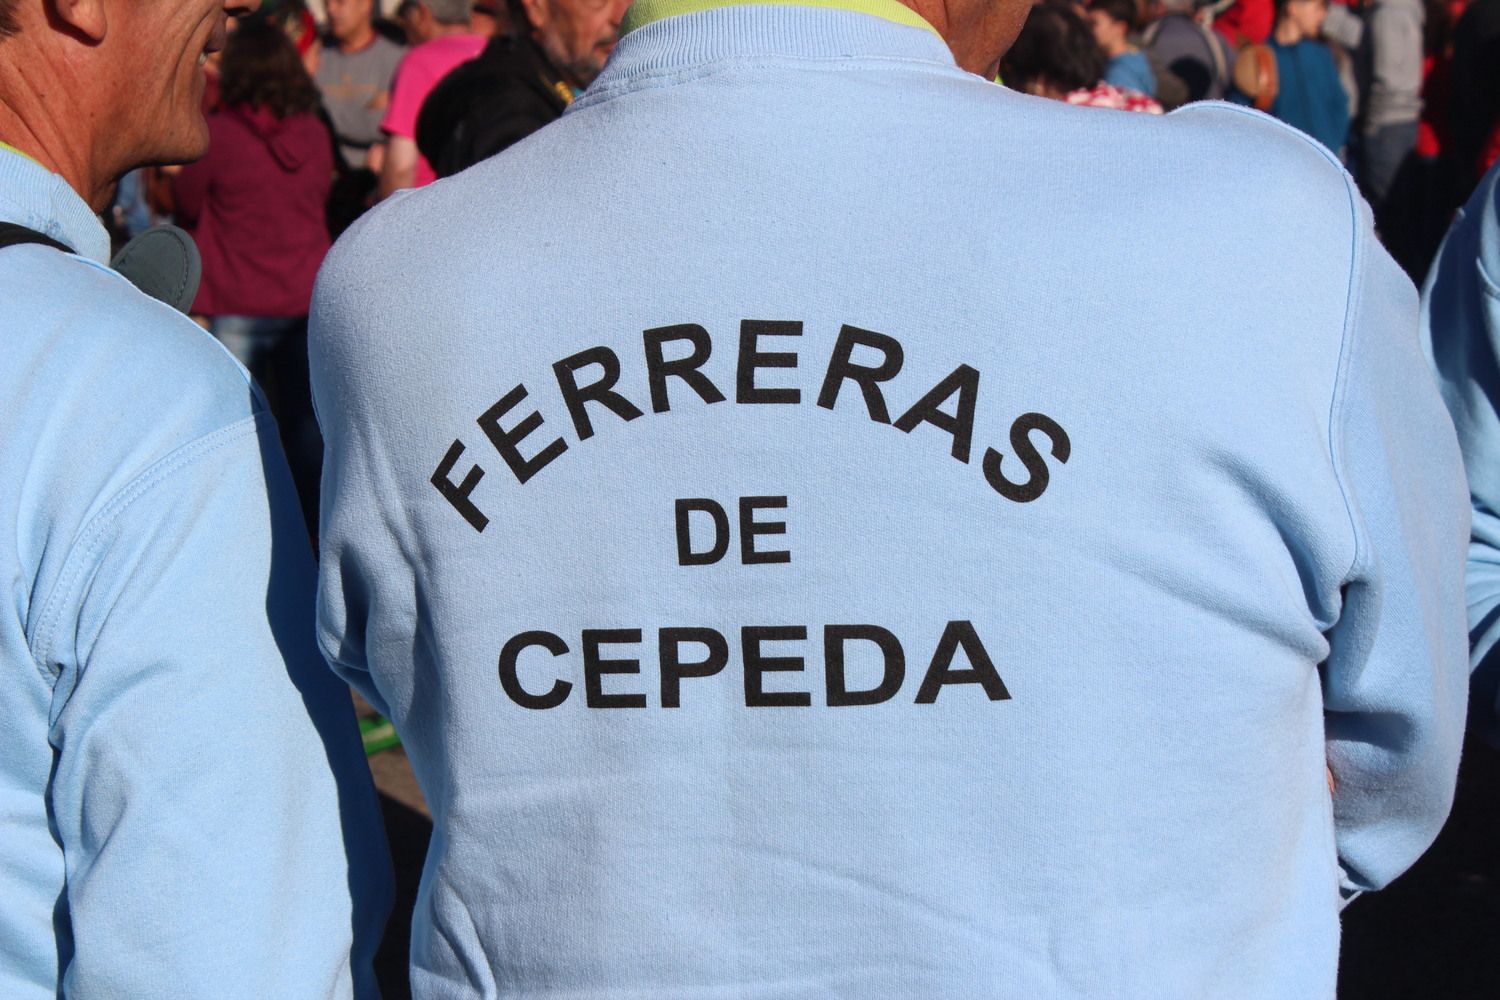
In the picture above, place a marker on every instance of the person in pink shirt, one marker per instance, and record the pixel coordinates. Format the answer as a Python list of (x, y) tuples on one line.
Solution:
[(452, 42)]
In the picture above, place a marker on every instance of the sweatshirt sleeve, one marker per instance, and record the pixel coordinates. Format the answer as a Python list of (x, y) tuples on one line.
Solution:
[(1395, 679), (1461, 333), (219, 827)]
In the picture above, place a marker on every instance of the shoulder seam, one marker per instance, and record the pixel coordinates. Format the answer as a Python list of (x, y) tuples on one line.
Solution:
[(1351, 298), (1239, 109), (85, 544), (1341, 374)]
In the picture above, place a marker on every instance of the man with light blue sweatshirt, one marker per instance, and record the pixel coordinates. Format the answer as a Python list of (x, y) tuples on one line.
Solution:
[(185, 808), (1461, 331), (799, 569)]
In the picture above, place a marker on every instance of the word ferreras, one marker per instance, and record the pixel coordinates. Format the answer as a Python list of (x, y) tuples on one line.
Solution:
[(757, 663), (961, 387)]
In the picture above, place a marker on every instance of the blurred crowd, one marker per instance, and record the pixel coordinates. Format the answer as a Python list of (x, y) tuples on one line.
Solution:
[(316, 113)]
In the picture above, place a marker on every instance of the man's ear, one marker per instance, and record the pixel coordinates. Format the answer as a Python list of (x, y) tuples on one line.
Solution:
[(84, 18), (536, 13)]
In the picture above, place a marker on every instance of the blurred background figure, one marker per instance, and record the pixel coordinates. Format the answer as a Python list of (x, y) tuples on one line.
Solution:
[(519, 83), (416, 22), (1245, 22), (1057, 56), (255, 207), (442, 39), (1127, 66), (354, 78), (1474, 112), (490, 18), (1391, 73), (1294, 76), (1196, 54)]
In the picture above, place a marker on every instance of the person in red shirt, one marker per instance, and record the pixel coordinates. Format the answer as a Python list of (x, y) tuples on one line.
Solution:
[(1247, 22), (255, 206)]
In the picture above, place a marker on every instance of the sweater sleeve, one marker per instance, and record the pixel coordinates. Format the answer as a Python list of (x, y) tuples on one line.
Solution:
[(1461, 333), (220, 832), (1395, 678)]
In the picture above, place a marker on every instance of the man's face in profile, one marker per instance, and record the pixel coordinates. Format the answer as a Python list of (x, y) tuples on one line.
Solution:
[(157, 51), (577, 35)]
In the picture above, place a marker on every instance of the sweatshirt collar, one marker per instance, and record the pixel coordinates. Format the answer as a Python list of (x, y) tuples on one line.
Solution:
[(644, 12), (737, 31), (34, 197)]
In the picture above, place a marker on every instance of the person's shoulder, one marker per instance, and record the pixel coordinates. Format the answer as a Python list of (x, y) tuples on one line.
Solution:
[(1208, 161), (140, 355), (363, 263), (1482, 214), (1487, 195), (387, 49), (1224, 123), (1249, 151)]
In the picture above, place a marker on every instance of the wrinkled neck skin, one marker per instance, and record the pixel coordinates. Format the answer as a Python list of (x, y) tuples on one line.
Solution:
[(49, 111)]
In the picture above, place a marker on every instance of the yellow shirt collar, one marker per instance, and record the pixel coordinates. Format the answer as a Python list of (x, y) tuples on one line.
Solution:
[(11, 149), (643, 12)]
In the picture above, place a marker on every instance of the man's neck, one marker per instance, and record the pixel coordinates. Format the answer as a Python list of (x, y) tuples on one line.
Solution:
[(362, 38), (444, 30), (35, 137)]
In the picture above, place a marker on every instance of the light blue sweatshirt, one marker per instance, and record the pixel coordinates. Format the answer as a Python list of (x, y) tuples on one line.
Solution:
[(184, 808), (817, 540), (1461, 331)]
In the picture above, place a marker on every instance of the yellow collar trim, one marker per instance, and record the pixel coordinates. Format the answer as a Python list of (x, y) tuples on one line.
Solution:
[(644, 12), (11, 149)]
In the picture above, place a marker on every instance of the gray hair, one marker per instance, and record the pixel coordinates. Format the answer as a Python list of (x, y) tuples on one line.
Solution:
[(8, 24), (449, 11)]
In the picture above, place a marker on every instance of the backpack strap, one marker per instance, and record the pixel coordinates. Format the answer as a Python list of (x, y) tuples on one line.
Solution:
[(1215, 52), (12, 235)]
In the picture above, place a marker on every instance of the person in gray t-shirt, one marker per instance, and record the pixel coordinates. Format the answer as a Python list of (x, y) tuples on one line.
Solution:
[(354, 75)]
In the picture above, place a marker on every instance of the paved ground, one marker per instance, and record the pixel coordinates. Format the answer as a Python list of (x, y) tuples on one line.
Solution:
[(1434, 935)]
